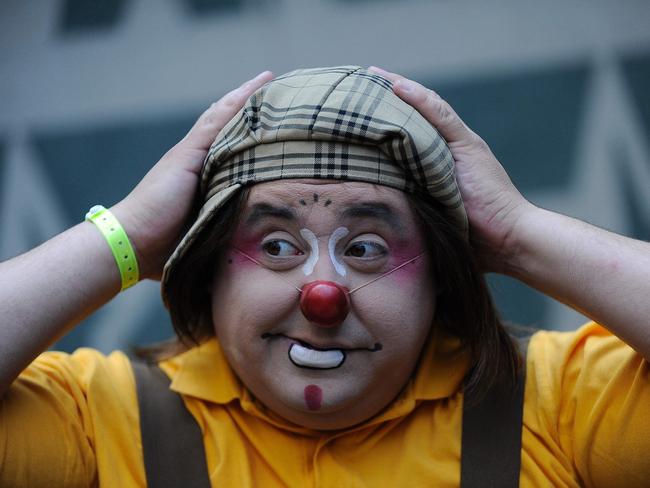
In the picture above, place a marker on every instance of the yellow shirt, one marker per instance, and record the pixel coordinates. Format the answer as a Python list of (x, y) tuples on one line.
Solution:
[(72, 420)]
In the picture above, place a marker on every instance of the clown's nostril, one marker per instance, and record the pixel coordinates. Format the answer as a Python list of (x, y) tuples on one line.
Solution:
[(324, 303)]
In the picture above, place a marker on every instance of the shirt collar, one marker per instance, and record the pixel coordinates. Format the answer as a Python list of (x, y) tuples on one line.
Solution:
[(203, 372)]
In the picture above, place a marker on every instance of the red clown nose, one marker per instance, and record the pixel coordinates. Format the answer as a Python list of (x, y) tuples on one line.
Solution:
[(324, 303)]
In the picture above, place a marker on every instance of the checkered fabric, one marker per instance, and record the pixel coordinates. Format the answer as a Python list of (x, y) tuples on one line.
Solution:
[(341, 123)]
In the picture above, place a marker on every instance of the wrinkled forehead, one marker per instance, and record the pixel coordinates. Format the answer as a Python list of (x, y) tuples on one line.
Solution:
[(329, 201), (316, 189), (308, 194)]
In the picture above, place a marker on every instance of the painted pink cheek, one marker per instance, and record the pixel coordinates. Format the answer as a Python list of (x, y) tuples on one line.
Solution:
[(239, 260), (313, 397), (248, 245), (411, 271)]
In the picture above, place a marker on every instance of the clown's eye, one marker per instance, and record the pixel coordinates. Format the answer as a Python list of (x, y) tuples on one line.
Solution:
[(281, 248), (365, 249)]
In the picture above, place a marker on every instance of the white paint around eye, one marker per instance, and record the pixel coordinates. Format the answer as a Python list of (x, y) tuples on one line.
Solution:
[(336, 236), (310, 237)]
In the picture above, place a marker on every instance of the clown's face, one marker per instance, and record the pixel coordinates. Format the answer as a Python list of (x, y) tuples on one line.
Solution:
[(295, 232)]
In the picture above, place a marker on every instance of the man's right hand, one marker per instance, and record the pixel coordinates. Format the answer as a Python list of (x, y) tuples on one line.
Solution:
[(155, 212), (50, 289)]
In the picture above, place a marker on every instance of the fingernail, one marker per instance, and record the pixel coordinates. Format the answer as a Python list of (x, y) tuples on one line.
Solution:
[(406, 86)]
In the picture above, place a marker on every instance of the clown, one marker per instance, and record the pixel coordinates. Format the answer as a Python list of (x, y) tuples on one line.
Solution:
[(327, 246), (333, 324)]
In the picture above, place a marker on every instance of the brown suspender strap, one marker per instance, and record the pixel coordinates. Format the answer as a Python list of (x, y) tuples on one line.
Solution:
[(491, 437), (172, 442)]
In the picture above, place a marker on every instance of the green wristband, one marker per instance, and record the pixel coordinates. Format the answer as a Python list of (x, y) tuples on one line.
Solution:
[(119, 243)]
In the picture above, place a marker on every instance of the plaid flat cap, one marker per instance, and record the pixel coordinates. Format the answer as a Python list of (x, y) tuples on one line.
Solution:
[(343, 123)]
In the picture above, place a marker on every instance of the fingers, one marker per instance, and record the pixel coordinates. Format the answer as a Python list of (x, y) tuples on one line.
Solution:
[(431, 106), (208, 125), (386, 74)]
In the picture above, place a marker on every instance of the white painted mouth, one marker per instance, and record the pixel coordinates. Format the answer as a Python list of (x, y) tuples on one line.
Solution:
[(312, 358)]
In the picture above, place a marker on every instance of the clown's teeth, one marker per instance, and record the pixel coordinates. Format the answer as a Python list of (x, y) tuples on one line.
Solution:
[(312, 358)]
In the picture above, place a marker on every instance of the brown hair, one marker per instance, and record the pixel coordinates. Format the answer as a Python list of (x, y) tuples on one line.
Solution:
[(464, 307), (188, 288)]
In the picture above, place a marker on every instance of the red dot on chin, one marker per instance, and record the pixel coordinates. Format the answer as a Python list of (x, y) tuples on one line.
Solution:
[(313, 397)]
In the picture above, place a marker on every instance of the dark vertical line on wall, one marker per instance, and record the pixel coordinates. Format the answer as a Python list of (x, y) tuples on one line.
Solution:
[(637, 75), (3, 164), (640, 223)]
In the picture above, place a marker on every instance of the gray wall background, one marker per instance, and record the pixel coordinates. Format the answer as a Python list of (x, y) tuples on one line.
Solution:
[(93, 93)]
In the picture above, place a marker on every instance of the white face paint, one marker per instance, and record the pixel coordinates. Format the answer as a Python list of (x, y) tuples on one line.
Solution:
[(336, 236), (310, 237)]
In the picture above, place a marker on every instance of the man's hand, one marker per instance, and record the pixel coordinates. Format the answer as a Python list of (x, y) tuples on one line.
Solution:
[(155, 212), (48, 290), (598, 273), (493, 204)]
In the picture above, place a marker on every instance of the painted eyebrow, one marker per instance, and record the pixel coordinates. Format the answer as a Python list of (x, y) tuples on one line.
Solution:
[(264, 210), (374, 210)]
